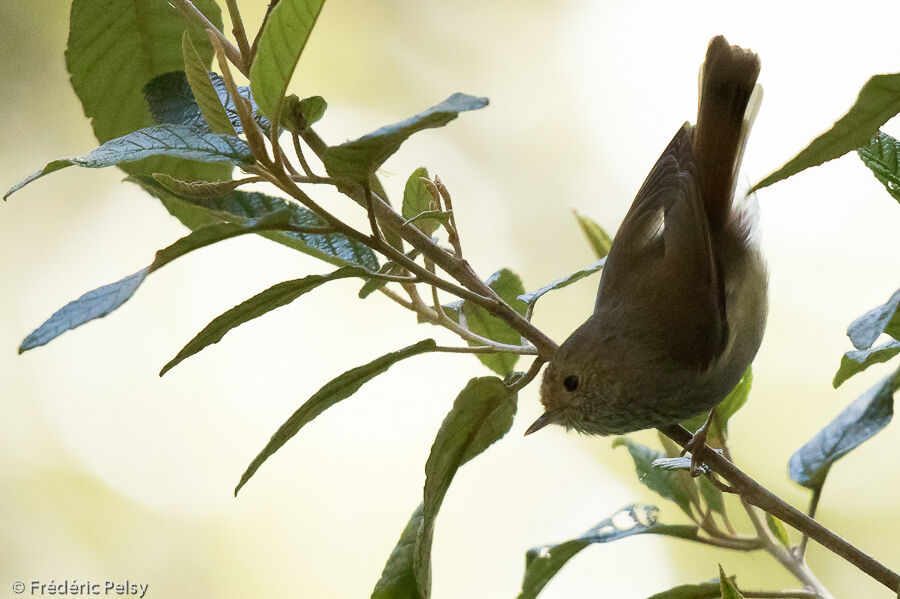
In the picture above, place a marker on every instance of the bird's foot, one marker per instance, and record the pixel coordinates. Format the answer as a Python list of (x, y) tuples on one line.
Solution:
[(696, 444)]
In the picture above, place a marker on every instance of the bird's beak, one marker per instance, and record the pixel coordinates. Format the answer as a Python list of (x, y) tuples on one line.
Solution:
[(546, 418)]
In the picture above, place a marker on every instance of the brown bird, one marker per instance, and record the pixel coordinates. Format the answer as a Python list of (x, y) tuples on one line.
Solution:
[(681, 308)]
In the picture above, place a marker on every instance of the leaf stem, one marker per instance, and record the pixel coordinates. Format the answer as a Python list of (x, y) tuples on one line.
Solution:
[(790, 594), (813, 506), (240, 34), (755, 494), (192, 15)]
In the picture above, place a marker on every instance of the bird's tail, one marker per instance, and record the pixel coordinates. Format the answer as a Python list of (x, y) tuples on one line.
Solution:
[(729, 100)]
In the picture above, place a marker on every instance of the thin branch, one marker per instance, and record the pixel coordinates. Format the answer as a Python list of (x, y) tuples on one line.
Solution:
[(262, 26), (452, 230), (529, 376), (479, 349), (298, 150), (813, 506), (790, 594), (240, 35), (755, 494), (193, 15)]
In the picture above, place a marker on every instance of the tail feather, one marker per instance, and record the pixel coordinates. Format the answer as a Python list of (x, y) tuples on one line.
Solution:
[(727, 84)]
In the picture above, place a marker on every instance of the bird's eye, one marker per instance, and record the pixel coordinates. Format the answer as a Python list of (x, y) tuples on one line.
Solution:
[(570, 382)]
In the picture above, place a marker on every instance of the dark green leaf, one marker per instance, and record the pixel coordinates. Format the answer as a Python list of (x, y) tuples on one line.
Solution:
[(884, 319), (542, 563), (858, 422), (729, 591), (777, 528), (704, 590), (100, 302), (508, 286), (298, 114), (336, 390), (360, 158), (398, 580), (482, 413), (882, 158), (417, 200), (238, 206), (203, 91), (733, 402), (532, 297), (274, 297), (171, 101), (283, 38), (114, 48), (856, 361), (161, 140), (672, 485), (878, 101), (598, 238)]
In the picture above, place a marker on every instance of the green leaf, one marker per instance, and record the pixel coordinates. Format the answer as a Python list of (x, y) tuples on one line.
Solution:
[(239, 206), (360, 158), (202, 89), (336, 390), (878, 101), (733, 402), (884, 319), (114, 48), (711, 495), (161, 140), (100, 302), (777, 528), (482, 413), (708, 491), (388, 268), (418, 200), (197, 189), (274, 297), (532, 297), (508, 286), (882, 158), (856, 361), (729, 591), (542, 563), (704, 590), (297, 115), (398, 580), (172, 102), (666, 483), (858, 422), (598, 237), (283, 38)]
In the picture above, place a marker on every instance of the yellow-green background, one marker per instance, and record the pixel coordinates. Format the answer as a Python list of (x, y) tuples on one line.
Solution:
[(109, 472)]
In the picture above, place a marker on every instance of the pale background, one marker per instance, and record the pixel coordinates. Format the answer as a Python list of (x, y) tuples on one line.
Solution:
[(111, 473)]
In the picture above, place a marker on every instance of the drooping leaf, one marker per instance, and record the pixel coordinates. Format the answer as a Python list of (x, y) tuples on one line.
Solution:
[(398, 581), (160, 140), (283, 38), (336, 390), (883, 319), (532, 297), (197, 189), (482, 413), (596, 235), (729, 591), (733, 402), (274, 297), (670, 484), (856, 361), (542, 563), (100, 302), (878, 101), (203, 91), (508, 286), (117, 46), (858, 422), (360, 158), (704, 590), (776, 527), (238, 206), (882, 158), (418, 200)]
